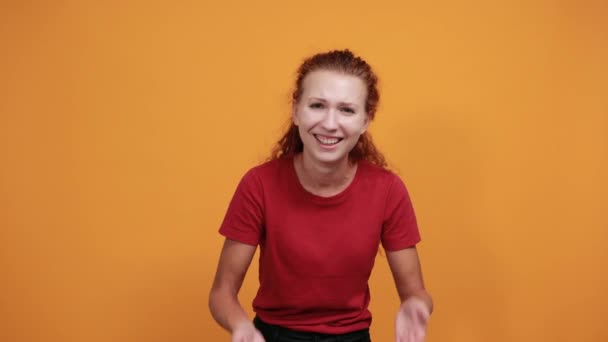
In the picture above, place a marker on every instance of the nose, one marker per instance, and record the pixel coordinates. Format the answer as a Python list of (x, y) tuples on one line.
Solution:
[(330, 120)]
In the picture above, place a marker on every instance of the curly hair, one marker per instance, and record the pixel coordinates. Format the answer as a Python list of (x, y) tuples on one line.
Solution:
[(346, 62)]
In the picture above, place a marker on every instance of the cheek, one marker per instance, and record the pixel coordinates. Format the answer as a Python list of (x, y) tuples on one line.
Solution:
[(307, 119), (304, 130), (354, 126)]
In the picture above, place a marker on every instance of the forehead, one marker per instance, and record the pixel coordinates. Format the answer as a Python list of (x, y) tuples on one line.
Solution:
[(334, 87)]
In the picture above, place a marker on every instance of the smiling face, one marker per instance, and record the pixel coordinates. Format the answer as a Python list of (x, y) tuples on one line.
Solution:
[(330, 115)]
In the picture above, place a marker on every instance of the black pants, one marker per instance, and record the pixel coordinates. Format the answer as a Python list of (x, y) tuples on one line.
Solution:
[(275, 333)]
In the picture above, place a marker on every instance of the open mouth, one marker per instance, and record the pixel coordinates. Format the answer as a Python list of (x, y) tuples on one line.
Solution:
[(329, 141)]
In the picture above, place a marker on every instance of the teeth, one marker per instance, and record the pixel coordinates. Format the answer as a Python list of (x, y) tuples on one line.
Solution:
[(326, 140)]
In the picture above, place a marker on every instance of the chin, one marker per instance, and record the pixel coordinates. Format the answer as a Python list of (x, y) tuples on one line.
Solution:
[(328, 158), (336, 156)]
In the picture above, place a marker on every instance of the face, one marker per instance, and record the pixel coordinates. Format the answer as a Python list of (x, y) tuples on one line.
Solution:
[(331, 115)]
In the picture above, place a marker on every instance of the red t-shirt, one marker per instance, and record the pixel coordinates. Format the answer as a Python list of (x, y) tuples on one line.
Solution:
[(317, 253)]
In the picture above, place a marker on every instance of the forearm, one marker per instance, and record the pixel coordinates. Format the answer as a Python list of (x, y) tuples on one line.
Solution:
[(226, 309)]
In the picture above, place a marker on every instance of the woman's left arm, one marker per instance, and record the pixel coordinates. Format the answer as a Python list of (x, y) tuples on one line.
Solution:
[(407, 273), (416, 304)]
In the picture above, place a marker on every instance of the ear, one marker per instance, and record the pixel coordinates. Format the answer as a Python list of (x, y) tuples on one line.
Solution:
[(365, 124), (294, 115)]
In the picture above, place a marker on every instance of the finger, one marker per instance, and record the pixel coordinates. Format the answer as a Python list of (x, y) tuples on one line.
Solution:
[(400, 336), (258, 337), (423, 315), (423, 312), (420, 334)]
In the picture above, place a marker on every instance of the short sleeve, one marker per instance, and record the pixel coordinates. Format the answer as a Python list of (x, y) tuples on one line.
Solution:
[(244, 219), (399, 228)]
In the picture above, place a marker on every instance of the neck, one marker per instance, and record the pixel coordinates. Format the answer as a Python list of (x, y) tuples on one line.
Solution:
[(323, 178)]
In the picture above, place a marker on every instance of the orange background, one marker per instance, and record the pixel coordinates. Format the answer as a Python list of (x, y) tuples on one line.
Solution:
[(125, 127)]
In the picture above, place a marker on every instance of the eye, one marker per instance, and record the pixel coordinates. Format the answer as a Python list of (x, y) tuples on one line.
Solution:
[(316, 105), (348, 110)]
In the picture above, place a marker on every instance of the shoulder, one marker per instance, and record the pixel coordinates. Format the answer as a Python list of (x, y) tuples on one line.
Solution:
[(269, 168), (268, 173), (383, 182), (377, 175)]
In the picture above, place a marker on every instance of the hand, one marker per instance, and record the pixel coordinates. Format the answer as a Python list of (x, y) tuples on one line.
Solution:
[(246, 332), (410, 325)]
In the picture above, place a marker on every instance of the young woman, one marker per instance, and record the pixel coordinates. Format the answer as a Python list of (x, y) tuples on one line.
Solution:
[(319, 209)]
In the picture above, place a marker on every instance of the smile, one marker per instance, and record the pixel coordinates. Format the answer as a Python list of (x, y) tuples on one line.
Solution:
[(327, 140)]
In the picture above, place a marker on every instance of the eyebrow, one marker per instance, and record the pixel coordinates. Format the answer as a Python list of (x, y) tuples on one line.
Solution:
[(340, 103)]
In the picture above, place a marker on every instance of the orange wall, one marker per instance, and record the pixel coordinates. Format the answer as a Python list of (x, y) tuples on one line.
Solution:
[(125, 128)]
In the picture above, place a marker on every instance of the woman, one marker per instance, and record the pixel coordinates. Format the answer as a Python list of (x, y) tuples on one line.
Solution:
[(319, 208)]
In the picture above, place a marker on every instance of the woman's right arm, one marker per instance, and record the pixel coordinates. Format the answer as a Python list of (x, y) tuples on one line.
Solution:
[(225, 308)]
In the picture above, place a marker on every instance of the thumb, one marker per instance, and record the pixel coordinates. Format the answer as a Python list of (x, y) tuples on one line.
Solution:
[(258, 337)]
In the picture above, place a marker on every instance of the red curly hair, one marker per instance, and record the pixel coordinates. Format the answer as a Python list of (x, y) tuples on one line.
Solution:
[(346, 62)]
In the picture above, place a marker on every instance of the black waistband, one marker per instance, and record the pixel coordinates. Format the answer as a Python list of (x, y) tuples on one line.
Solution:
[(273, 332)]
